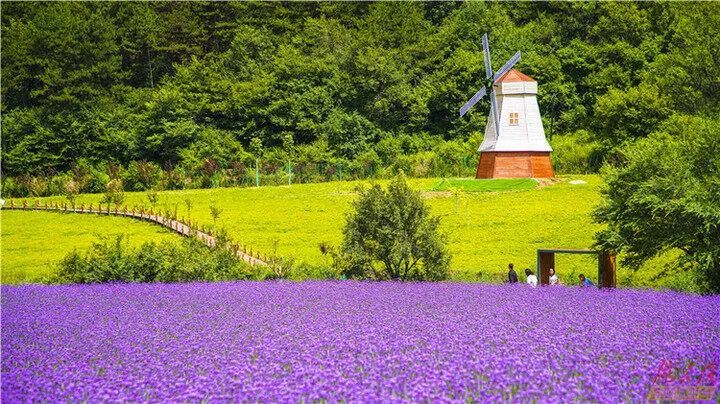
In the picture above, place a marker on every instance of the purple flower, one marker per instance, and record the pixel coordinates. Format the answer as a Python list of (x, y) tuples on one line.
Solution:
[(349, 341)]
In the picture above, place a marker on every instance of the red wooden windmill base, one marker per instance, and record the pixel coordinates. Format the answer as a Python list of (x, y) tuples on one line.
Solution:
[(514, 165)]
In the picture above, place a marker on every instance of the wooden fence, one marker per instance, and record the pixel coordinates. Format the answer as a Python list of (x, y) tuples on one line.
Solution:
[(186, 229)]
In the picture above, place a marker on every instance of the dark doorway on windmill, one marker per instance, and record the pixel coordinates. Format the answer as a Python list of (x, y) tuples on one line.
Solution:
[(606, 265)]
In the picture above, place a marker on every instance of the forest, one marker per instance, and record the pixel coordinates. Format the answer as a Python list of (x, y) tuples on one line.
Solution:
[(172, 95)]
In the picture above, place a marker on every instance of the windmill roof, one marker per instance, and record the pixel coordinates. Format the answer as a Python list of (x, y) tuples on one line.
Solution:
[(514, 75)]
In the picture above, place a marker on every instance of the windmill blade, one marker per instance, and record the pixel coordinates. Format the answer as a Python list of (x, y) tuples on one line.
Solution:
[(495, 112), (486, 50), (508, 65), (475, 98)]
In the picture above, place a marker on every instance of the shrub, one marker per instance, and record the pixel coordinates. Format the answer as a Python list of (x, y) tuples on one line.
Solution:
[(72, 188), (114, 193), (391, 235), (349, 134), (58, 184), (142, 175), (111, 260), (451, 160), (90, 178), (576, 153), (38, 186), (12, 188), (173, 178)]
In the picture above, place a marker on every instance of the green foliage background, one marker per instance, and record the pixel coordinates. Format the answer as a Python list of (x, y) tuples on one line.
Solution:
[(186, 86)]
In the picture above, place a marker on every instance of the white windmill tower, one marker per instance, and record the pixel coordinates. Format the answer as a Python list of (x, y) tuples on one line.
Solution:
[(514, 143)]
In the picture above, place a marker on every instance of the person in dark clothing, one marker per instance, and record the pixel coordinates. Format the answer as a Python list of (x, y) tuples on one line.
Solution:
[(512, 275)]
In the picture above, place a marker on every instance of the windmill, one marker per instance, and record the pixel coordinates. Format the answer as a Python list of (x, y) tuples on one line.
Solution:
[(514, 144)]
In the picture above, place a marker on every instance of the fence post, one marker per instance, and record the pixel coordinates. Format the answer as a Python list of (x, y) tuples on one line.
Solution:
[(257, 173), (289, 172), (11, 204)]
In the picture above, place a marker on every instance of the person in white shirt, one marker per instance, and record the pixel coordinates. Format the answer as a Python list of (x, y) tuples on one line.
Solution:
[(531, 278), (553, 277)]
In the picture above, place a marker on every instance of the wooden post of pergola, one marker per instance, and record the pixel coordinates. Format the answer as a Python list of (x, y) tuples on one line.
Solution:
[(606, 265)]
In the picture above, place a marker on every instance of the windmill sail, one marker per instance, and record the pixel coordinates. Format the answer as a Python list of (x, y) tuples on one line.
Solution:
[(486, 51), (475, 98), (506, 68)]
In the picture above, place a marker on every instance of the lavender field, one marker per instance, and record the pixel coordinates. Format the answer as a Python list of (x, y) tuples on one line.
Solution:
[(347, 341)]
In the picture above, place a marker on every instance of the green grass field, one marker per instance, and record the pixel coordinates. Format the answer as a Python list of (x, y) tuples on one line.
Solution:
[(492, 223), (34, 242)]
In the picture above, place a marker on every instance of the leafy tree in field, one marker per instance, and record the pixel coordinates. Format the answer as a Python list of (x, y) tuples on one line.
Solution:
[(666, 197), (391, 235)]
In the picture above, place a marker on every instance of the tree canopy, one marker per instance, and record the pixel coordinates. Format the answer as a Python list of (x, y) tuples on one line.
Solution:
[(392, 236), (168, 82), (666, 197)]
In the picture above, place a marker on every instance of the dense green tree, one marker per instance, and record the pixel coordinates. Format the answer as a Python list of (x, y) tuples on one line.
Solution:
[(391, 235), (666, 197), (628, 115)]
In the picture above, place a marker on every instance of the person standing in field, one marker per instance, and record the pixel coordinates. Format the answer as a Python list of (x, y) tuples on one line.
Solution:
[(512, 275), (553, 277), (531, 278), (585, 282)]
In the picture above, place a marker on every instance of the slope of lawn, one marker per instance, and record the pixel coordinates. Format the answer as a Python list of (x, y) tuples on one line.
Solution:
[(486, 228), (34, 242)]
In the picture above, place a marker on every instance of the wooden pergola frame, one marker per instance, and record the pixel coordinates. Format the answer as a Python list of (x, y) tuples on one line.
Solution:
[(606, 265)]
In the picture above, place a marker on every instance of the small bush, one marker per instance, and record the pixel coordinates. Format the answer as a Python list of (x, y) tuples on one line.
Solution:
[(142, 175), (576, 153), (90, 178), (114, 193), (111, 260), (13, 189)]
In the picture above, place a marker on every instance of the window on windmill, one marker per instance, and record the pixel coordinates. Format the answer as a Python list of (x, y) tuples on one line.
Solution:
[(514, 118)]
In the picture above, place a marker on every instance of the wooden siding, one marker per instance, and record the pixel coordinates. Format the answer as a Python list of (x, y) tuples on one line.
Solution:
[(514, 165)]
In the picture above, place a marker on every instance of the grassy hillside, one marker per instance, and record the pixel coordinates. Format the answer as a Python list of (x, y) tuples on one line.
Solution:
[(33, 242), (500, 221)]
